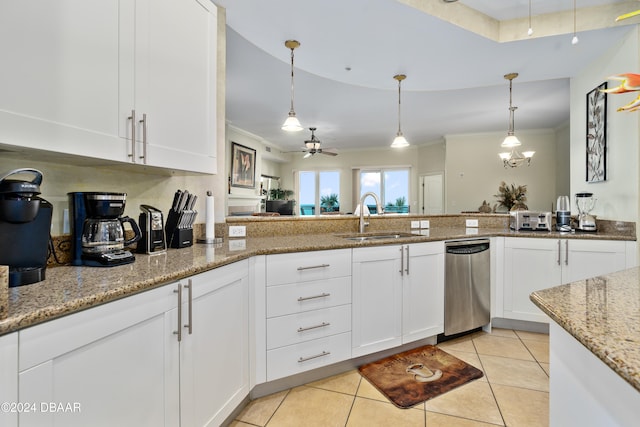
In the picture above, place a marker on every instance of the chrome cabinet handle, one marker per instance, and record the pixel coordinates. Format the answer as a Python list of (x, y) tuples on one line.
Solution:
[(179, 331), (558, 252), (407, 269), (313, 266), (190, 302), (308, 328), (322, 295), (304, 359), (401, 261), (566, 252), (132, 117), (144, 138)]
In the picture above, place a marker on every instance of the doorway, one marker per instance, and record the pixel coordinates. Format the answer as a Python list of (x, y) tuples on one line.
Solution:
[(432, 194)]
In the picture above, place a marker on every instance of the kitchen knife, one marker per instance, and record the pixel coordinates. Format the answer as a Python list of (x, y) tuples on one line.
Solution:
[(193, 201), (183, 202), (176, 200)]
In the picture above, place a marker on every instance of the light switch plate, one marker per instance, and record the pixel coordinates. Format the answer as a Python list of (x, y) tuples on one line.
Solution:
[(470, 231), (424, 223), (472, 223), (415, 224), (237, 231)]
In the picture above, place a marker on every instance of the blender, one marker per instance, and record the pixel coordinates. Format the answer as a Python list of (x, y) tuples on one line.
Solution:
[(585, 203)]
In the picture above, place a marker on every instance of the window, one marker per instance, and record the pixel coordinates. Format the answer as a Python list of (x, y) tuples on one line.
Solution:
[(319, 192), (392, 185)]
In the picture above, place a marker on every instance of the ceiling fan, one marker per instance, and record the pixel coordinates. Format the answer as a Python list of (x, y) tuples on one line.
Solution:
[(312, 146)]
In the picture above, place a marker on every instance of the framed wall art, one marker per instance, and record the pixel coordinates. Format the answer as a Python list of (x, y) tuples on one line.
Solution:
[(597, 134), (243, 166)]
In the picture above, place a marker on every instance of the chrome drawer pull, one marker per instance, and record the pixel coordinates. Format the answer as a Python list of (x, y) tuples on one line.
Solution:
[(322, 295), (304, 359), (308, 328), (313, 266), (179, 292)]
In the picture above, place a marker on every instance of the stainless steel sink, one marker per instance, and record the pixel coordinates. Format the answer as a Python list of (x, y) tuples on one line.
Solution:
[(377, 236)]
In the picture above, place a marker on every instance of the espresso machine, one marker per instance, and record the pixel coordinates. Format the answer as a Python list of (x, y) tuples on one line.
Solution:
[(97, 229), (585, 202), (25, 224)]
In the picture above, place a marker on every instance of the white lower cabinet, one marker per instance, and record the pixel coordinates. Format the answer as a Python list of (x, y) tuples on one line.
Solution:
[(531, 264), (308, 312), (9, 380), (398, 295), (122, 364)]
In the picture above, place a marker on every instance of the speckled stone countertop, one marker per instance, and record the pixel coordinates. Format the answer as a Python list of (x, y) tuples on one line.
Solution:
[(69, 289), (602, 313)]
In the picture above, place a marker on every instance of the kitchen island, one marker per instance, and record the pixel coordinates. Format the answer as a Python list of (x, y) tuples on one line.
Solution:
[(594, 349)]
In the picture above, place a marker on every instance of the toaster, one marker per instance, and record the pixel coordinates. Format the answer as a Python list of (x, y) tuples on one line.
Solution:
[(530, 220), (151, 226)]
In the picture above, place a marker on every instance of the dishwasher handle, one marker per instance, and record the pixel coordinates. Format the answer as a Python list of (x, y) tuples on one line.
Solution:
[(468, 248)]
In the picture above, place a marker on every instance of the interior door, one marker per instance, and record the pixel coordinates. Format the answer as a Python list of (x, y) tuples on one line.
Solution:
[(432, 194)]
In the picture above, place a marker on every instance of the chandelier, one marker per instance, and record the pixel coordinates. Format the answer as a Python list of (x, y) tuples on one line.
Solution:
[(513, 158)]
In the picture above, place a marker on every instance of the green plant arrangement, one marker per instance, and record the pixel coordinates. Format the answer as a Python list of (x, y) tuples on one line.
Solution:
[(511, 196), (280, 194)]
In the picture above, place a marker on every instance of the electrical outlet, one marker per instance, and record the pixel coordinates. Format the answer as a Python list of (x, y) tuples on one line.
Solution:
[(237, 245), (415, 224), (472, 223), (237, 231), (424, 223), (470, 231)]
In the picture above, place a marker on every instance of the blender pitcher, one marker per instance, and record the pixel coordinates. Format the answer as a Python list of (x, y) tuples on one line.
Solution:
[(585, 202)]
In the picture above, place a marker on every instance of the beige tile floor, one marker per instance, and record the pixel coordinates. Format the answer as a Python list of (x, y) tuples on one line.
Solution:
[(514, 392)]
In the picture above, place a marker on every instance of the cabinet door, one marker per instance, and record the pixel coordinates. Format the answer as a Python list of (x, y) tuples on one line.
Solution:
[(60, 83), (377, 299), (583, 259), (423, 291), (9, 378), (529, 265), (111, 365), (214, 370), (175, 82)]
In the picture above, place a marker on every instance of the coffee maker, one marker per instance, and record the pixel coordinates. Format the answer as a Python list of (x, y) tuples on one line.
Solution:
[(25, 223), (153, 239), (97, 229)]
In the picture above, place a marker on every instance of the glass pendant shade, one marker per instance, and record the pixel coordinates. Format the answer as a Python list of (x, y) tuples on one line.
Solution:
[(292, 124), (511, 141), (513, 158), (399, 141)]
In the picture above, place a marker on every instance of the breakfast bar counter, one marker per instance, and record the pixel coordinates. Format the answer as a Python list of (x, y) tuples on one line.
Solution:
[(595, 349)]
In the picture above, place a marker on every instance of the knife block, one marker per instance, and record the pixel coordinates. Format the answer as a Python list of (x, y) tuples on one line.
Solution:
[(177, 237)]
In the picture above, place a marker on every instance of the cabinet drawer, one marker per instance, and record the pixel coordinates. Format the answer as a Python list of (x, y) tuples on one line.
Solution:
[(307, 266), (296, 298), (300, 327), (293, 359)]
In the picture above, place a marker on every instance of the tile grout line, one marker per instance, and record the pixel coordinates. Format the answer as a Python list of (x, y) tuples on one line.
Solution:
[(353, 402), (504, 423), (531, 353)]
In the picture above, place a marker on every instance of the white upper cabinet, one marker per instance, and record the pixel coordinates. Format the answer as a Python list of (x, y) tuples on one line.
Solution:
[(128, 81)]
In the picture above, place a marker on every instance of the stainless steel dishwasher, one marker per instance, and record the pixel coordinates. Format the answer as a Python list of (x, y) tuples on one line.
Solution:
[(467, 299)]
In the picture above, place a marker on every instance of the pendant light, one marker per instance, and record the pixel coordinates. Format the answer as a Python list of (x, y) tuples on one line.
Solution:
[(530, 31), (292, 124), (574, 40), (399, 141), (513, 158)]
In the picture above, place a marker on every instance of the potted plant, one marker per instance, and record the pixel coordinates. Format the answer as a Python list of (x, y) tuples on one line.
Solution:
[(512, 197), (279, 201)]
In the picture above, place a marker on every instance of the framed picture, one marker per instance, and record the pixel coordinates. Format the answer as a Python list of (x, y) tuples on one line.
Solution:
[(243, 166), (597, 134)]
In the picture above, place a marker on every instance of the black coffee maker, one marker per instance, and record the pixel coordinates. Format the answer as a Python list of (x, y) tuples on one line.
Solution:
[(25, 224), (97, 229)]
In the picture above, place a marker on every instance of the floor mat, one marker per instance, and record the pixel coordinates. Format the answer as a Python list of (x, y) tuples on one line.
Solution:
[(417, 375)]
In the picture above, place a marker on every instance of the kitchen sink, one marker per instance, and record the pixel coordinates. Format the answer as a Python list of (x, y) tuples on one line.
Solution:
[(358, 237)]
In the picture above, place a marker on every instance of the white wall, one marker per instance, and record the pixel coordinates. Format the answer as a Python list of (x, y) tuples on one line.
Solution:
[(618, 195), (474, 170)]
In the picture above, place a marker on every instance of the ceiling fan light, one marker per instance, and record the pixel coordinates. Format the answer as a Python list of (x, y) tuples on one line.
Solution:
[(511, 141), (399, 141), (292, 124)]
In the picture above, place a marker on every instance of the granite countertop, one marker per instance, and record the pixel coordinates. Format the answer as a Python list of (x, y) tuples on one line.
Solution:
[(68, 289), (602, 313)]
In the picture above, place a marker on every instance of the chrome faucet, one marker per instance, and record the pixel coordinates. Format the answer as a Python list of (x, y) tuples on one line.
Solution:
[(362, 224)]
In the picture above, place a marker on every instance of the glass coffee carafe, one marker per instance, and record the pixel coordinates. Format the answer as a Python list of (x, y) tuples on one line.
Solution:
[(102, 235)]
